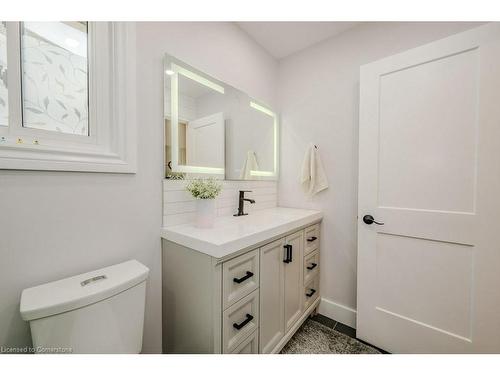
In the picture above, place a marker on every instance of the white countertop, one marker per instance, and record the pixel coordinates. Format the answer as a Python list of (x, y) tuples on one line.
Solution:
[(230, 234)]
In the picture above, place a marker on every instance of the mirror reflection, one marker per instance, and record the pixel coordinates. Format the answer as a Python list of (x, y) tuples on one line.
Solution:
[(196, 144), (214, 129), (249, 138)]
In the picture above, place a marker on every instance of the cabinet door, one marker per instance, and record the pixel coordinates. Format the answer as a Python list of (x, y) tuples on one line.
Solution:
[(249, 345), (293, 279), (272, 324)]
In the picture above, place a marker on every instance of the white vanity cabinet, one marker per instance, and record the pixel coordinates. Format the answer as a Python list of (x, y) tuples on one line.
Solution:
[(247, 294), (281, 289), (293, 278), (272, 297)]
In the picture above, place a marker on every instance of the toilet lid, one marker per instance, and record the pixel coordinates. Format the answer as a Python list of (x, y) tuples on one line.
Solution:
[(81, 290)]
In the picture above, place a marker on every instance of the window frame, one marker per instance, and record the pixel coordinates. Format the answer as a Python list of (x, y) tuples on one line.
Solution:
[(111, 144)]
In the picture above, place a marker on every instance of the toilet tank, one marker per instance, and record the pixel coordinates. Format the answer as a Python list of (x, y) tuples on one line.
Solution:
[(96, 312)]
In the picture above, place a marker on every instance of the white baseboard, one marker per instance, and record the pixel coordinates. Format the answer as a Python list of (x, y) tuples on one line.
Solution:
[(338, 312)]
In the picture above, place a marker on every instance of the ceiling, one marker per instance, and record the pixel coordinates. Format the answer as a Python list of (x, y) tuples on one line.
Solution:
[(282, 39)]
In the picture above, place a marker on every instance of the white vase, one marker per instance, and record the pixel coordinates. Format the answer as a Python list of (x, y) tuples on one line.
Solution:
[(205, 213)]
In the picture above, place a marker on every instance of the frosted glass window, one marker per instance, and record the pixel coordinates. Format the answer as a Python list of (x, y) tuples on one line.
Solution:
[(4, 102), (55, 76)]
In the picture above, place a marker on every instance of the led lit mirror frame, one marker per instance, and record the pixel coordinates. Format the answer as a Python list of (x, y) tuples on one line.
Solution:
[(267, 111), (174, 67)]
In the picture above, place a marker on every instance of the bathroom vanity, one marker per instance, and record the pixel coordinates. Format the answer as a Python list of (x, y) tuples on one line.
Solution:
[(244, 286), (247, 284)]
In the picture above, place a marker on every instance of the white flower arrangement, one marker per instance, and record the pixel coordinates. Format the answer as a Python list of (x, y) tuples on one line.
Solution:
[(204, 189)]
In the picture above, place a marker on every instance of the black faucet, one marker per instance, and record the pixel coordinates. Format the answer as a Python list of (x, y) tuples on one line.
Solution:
[(242, 201)]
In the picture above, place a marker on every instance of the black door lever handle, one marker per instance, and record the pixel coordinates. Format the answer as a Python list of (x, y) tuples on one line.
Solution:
[(368, 219)]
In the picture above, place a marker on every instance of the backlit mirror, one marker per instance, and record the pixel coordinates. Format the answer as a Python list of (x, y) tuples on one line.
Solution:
[(212, 128)]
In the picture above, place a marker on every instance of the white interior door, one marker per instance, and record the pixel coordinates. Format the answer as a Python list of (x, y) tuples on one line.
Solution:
[(205, 141), (429, 169)]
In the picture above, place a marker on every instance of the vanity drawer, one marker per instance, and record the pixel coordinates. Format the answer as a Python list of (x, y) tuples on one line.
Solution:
[(311, 235), (311, 266), (240, 277), (239, 321), (311, 292), (249, 346)]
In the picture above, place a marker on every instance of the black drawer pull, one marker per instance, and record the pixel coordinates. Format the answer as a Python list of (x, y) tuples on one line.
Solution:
[(311, 239), (240, 280), (311, 293), (312, 266), (288, 255), (243, 323)]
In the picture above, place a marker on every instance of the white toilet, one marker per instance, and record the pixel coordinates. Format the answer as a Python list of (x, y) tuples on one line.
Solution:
[(97, 312)]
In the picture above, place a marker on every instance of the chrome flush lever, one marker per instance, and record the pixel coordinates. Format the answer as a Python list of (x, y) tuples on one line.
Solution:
[(93, 280)]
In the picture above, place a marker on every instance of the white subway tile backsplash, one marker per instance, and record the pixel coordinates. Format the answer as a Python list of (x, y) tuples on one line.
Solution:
[(173, 196), (263, 191), (177, 219), (179, 207), (173, 185), (268, 198), (226, 211)]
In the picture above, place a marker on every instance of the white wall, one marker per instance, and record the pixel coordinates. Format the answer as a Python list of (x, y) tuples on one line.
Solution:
[(56, 224), (318, 91)]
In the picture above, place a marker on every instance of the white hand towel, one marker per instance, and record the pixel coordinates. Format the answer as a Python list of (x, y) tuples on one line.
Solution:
[(249, 165), (313, 177)]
